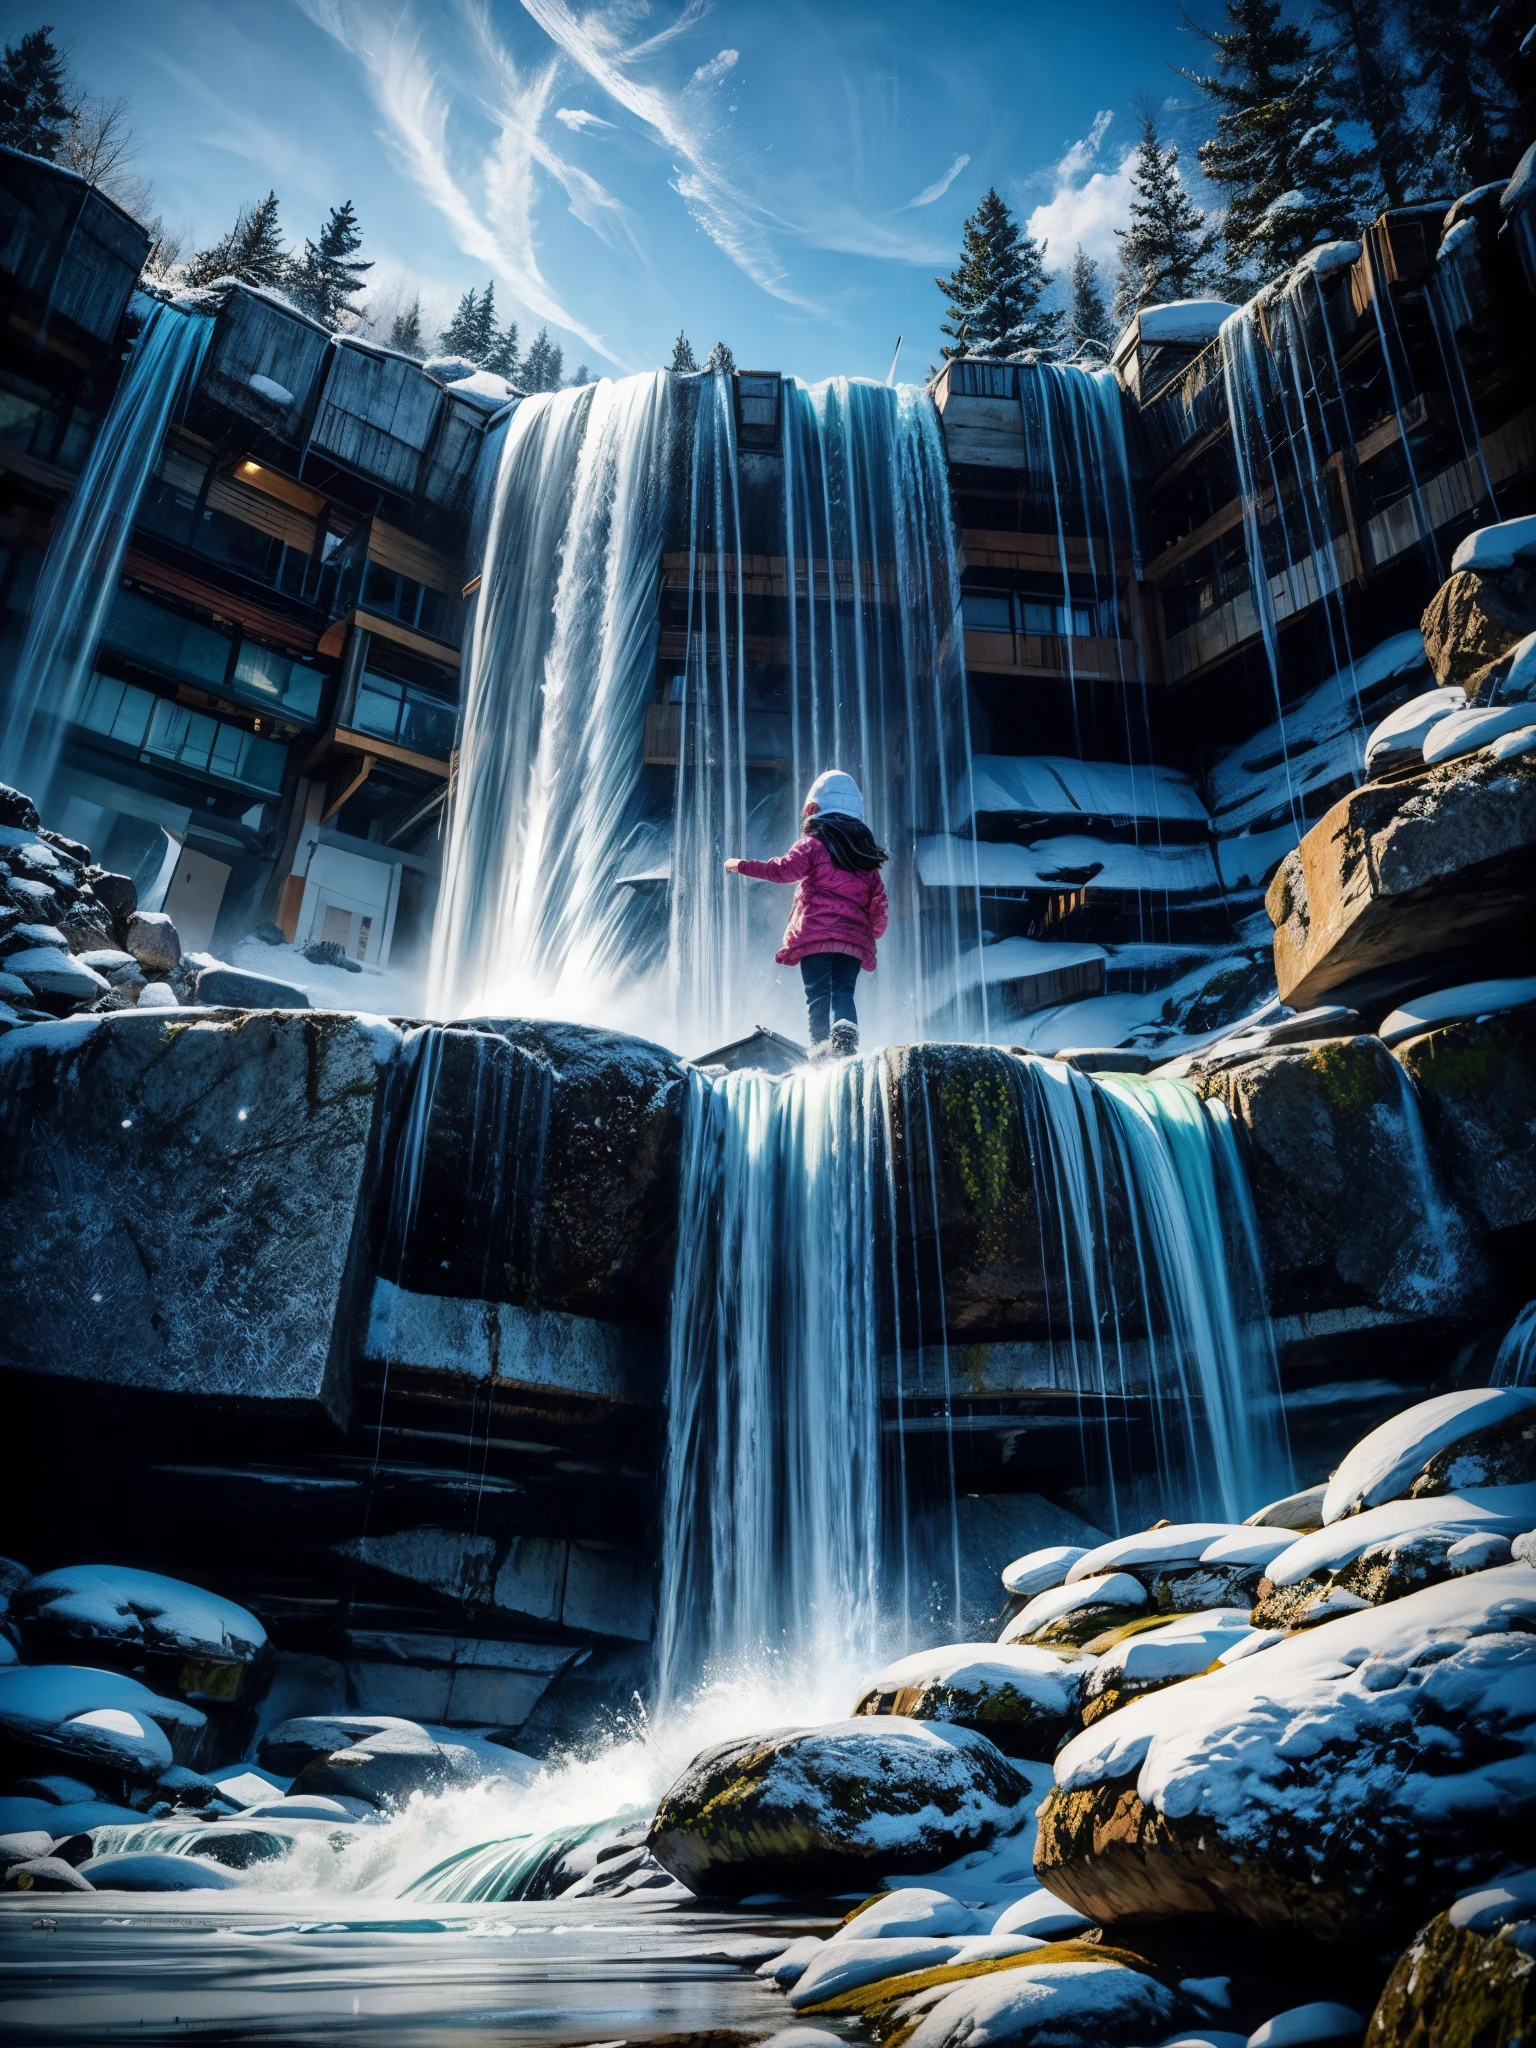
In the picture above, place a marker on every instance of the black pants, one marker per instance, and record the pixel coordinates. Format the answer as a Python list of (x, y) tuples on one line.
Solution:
[(829, 980)]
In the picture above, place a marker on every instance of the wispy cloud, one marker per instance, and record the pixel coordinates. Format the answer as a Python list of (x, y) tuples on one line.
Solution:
[(716, 68), (939, 186), (578, 118), (1086, 205), (404, 87)]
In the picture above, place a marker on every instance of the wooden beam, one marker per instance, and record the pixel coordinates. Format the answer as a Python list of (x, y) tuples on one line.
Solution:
[(386, 750), (1209, 530), (32, 471), (350, 788), (334, 637)]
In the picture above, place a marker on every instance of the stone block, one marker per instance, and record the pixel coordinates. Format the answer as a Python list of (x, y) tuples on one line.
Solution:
[(538, 1165), (179, 1202), (1352, 1210), (153, 941), (1477, 1082), (233, 988), (1473, 619), (1399, 878)]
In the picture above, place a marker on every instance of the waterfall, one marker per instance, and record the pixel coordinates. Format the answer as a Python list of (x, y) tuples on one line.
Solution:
[(1515, 1365), (1290, 428), (776, 1534), (674, 634), (79, 575), (771, 1517)]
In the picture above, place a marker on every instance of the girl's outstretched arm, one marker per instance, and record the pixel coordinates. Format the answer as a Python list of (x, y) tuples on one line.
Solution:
[(879, 908), (788, 867)]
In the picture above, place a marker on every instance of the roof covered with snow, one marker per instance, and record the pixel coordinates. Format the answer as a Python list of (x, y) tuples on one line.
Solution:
[(1068, 862), (1057, 786)]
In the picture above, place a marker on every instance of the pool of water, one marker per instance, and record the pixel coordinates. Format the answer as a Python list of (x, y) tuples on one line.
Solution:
[(294, 1969)]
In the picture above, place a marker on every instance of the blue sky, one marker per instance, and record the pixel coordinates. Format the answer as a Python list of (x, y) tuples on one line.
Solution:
[(786, 176)]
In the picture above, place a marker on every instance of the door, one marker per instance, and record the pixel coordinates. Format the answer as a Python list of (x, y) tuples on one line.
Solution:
[(192, 901)]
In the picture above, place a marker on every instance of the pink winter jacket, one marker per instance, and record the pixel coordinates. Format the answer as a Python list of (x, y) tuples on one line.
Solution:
[(834, 911)]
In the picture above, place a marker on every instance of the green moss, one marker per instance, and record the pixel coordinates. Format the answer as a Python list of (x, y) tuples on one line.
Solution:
[(978, 1112), (1456, 1989), (1349, 1078), (878, 2001), (1474, 1060)]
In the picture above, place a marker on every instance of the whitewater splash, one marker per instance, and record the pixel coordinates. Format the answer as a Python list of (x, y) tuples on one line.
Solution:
[(80, 572), (673, 636)]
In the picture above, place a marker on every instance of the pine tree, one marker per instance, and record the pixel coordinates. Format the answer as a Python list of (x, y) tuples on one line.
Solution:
[(1165, 250), (459, 336), (581, 375), (1088, 327), (329, 275), (1290, 180), (252, 250), (544, 364), (502, 357), (405, 333), (994, 295), (1367, 82), (720, 359), (1474, 132), (682, 353), (35, 100)]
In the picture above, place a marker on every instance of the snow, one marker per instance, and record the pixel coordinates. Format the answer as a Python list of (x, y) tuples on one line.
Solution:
[(37, 1697), (1405, 730), (1519, 682), (49, 970), (917, 1911), (35, 852), (1521, 741), (1246, 860), (1184, 320), (846, 1965), (1468, 731), (270, 389), (1182, 1649), (1326, 257), (1042, 1914), (377, 991), (788, 1968), (1016, 959), (1038, 1570), (1418, 1712), (1485, 1510), (1456, 237), (1498, 547), (1247, 1546), (1050, 2002), (1038, 1675), (1493, 1906), (1386, 1460), (1115, 1589), (1321, 2021), (1253, 781), (485, 389), (945, 862), (1454, 1005), (159, 995), (153, 1871), (1057, 786), (143, 1607), (247, 1784), (1179, 1541)]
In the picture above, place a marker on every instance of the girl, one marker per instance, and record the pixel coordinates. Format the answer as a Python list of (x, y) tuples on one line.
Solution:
[(839, 909)]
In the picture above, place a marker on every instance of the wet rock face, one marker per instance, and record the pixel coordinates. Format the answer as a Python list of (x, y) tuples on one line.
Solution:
[(1334, 1167), (1459, 1987), (1477, 1081), (1400, 876), (821, 1810), (538, 1164), (1473, 619), (201, 1239), (979, 1254)]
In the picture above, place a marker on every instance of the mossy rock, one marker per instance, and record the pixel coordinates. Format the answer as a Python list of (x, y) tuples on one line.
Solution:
[(1076, 1630), (1194, 1588), (810, 1810), (1011, 1717), (1477, 1082), (1503, 1454), (878, 2003), (1454, 1988)]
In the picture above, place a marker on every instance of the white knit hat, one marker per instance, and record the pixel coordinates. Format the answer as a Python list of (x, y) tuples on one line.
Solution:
[(838, 793)]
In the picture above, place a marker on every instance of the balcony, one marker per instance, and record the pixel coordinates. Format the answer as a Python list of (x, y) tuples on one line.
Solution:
[(161, 730), (150, 636)]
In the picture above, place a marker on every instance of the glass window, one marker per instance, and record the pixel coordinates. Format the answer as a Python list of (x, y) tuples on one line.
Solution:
[(989, 611), (427, 727), (264, 676), (120, 711), (412, 718), (379, 703), (381, 590), (144, 630)]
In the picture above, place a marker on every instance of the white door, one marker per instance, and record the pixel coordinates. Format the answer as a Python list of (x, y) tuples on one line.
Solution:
[(192, 900)]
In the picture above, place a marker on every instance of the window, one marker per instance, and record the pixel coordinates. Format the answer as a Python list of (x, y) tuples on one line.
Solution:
[(400, 597), (1001, 611), (989, 611), (263, 676), (174, 732), (396, 711), (145, 632)]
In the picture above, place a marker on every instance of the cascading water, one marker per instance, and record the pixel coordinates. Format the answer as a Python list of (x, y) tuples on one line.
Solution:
[(1515, 1365), (1289, 427), (79, 574), (567, 829)]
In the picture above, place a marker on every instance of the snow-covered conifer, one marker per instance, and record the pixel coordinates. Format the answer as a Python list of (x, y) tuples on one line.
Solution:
[(994, 294), (682, 353), (329, 274), (1165, 252), (35, 101), (252, 250), (1088, 326)]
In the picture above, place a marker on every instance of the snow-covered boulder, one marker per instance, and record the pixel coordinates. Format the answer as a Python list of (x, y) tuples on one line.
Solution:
[(149, 1870), (1024, 1699), (104, 1727), (1476, 1080), (1472, 728), (187, 1640), (55, 977), (153, 941), (1070, 1615), (1398, 742), (1147, 1659), (1089, 2001), (1392, 1461), (1510, 543), (1039, 1570), (1469, 1001), (1185, 1565), (824, 1809), (1295, 1511), (1345, 1782), (1475, 618), (1317, 2024), (911, 1910), (1400, 874), (1470, 1975)]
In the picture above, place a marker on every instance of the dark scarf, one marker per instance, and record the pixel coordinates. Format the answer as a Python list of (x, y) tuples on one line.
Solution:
[(849, 841)]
